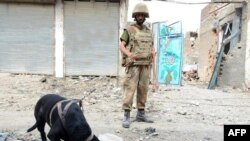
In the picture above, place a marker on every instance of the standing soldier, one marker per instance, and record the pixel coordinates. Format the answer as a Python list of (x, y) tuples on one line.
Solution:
[(138, 57)]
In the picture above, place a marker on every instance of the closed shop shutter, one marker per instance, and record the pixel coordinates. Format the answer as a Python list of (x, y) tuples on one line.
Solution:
[(91, 38), (26, 38)]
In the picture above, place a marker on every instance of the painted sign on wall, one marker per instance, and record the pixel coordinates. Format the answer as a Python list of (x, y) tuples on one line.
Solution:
[(169, 52)]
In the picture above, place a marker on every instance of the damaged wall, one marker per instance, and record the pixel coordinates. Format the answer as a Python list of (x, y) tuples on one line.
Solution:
[(191, 48), (217, 18), (232, 72), (207, 44)]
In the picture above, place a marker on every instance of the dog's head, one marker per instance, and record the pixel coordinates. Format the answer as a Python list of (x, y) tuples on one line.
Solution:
[(77, 126)]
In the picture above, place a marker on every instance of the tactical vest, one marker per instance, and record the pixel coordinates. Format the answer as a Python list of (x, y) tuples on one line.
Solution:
[(141, 44)]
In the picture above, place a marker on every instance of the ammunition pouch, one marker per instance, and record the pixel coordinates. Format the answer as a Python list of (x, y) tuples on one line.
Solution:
[(141, 60), (126, 62)]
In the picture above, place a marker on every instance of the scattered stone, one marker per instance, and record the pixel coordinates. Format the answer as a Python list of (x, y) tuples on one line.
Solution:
[(191, 75), (182, 113), (43, 80), (207, 138), (149, 130), (92, 90), (135, 130), (195, 103), (3, 136), (118, 131), (162, 106), (109, 137), (169, 120), (75, 77), (210, 100), (93, 101), (155, 134), (225, 90), (169, 89)]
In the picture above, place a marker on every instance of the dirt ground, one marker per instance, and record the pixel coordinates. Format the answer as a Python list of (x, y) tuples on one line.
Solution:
[(181, 113)]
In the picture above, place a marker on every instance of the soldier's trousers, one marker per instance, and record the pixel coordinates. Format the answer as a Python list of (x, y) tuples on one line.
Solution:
[(137, 78)]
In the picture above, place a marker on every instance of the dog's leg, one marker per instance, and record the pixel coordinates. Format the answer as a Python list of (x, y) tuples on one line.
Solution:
[(40, 127)]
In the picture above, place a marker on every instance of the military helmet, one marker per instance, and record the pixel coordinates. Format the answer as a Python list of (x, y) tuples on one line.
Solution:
[(140, 8)]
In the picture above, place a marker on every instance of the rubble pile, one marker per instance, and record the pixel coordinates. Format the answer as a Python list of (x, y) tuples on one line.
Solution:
[(246, 87), (190, 75)]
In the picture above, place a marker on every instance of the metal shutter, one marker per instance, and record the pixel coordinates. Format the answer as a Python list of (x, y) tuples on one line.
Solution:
[(91, 38), (26, 38)]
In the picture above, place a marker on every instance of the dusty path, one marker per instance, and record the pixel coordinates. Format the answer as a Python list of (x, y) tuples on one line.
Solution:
[(187, 113)]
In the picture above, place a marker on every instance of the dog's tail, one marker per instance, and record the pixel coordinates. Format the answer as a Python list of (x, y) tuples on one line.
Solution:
[(32, 128)]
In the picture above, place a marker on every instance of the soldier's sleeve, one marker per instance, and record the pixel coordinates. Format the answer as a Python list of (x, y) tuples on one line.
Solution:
[(125, 36)]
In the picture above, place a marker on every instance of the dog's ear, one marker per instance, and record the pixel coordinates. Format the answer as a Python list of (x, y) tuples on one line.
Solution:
[(80, 103)]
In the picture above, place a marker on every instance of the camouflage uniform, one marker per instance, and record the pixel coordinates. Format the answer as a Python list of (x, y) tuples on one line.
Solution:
[(138, 40), (137, 43)]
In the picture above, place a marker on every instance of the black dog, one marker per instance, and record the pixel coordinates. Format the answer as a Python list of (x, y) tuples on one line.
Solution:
[(68, 125)]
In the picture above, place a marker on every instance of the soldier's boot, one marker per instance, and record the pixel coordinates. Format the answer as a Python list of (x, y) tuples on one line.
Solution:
[(141, 116), (126, 119)]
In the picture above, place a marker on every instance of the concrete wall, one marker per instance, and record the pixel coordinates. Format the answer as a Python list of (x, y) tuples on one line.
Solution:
[(233, 72), (247, 64), (236, 71), (191, 49), (123, 22)]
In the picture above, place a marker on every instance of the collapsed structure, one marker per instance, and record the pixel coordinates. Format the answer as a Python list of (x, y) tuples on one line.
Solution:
[(224, 45)]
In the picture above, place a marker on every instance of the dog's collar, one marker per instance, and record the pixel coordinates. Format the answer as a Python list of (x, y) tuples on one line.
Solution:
[(91, 136)]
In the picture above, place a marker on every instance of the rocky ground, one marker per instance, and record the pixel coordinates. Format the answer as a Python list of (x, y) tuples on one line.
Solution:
[(181, 113)]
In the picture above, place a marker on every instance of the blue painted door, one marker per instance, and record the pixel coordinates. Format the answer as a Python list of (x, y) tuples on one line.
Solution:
[(169, 53)]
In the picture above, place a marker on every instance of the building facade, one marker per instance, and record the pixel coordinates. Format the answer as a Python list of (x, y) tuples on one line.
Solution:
[(55, 37)]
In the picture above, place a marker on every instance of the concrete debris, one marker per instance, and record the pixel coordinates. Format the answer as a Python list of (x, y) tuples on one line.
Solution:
[(190, 75), (169, 89), (189, 72), (109, 137), (118, 131), (182, 113), (246, 87), (149, 130), (195, 103), (207, 138), (169, 120), (43, 80), (170, 107), (3, 136)]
